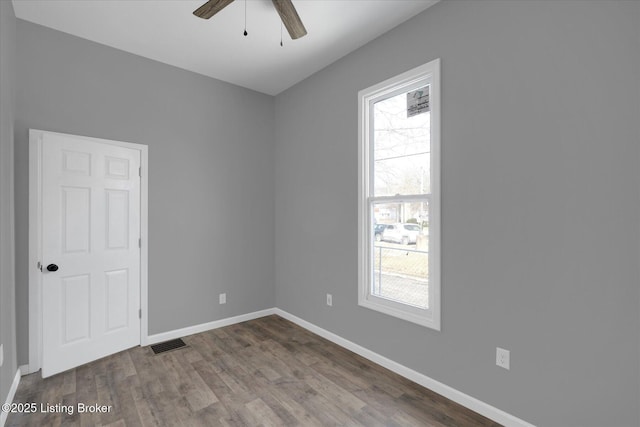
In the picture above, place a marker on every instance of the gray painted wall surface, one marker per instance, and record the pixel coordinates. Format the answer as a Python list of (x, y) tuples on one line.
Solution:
[(210, 178), (7, 244), (541, 208)]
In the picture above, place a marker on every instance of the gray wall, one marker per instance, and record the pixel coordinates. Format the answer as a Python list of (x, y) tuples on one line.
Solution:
[(210, 178), (7, 277), (541, 208)]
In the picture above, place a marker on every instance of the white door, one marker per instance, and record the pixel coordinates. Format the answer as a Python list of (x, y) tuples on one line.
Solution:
[(90, 232)]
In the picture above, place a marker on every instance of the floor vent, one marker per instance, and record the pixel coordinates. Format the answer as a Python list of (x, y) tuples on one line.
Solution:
[(168, 346)]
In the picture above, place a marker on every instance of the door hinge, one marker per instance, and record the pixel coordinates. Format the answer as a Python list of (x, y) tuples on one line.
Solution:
[(39, 266), (140, 242), (140, 171), (140, 314)]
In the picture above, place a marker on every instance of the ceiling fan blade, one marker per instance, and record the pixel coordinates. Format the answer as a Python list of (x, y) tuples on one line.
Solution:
[(290, 18), (210, 8)]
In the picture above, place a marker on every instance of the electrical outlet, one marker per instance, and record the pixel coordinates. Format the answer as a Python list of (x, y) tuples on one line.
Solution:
[(223, 298), (1, 354), (329, 300), (502, 357)]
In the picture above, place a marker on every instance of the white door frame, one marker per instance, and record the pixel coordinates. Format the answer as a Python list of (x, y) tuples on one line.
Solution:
[(35, 239)]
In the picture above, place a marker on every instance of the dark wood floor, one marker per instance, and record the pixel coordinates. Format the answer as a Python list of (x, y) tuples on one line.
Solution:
[(265, 372)]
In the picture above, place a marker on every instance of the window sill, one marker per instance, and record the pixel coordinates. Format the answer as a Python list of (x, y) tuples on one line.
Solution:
[(422, 317)]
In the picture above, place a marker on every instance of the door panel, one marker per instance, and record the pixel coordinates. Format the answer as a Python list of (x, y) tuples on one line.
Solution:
[(74, 162), (117, 168), (117, 219), (76, 218), (117, 299), (90, 229), (76, 302)]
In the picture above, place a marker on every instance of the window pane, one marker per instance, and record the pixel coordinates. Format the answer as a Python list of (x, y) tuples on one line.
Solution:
[(402, 175), (401, 212), (400, 247), (401, 147), (401, 274)]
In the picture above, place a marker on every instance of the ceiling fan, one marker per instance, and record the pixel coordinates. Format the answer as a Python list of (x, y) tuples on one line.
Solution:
[(285, 9)]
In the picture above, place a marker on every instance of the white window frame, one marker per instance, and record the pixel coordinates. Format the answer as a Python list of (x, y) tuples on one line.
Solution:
[(407, 81)]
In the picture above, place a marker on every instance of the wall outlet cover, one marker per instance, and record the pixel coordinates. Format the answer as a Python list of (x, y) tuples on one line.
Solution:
[(503, 358)]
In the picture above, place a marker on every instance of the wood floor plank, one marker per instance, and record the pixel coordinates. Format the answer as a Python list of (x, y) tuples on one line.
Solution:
[(333, 392), (201, 396), (143, 410), (126, 406), (285, 412), (263, 414), (264, 372)]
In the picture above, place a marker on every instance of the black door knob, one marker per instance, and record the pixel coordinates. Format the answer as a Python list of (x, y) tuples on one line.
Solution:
[(52, 267)]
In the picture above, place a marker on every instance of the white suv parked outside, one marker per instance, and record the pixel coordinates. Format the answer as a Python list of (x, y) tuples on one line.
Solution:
[(401, 233)]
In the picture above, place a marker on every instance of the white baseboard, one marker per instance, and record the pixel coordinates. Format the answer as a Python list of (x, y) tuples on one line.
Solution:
[(457, 396), (24, 370), (463, 399), (190, 330), (10, 396)]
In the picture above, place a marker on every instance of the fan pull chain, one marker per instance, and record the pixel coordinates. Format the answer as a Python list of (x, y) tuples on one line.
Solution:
[(245, 18), (281, 34)]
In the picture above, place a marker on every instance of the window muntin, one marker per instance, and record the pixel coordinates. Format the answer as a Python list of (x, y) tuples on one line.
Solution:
[(399, 188)]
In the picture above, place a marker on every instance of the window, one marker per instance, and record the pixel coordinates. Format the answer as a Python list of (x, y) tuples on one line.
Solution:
[(399, 196)]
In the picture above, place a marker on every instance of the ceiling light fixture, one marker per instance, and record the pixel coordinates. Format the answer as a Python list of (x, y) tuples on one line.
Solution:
[(288, 15), (245, 19)]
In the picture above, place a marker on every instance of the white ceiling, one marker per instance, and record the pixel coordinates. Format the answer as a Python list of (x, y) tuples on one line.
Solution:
[(167, 31)]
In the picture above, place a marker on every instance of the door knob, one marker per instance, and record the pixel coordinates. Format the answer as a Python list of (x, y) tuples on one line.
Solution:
[(52, 267)]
